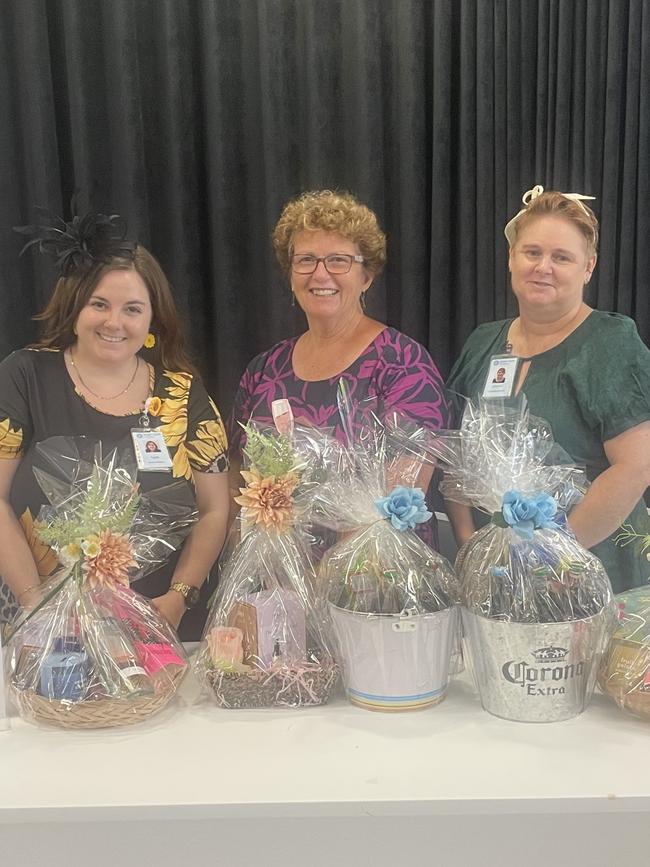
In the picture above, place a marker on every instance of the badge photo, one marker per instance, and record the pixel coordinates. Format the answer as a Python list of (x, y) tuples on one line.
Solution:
[(151, 451), (501, 377)]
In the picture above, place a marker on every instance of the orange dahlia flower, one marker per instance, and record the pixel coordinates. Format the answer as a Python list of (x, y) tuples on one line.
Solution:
[(111, 563), (268, 500)]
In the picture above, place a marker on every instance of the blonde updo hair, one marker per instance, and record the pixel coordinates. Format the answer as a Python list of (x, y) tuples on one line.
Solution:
[(554, 204), (328, 211)]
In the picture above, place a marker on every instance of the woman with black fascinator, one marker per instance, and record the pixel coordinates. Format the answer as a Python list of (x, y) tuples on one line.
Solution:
[(89, 376)]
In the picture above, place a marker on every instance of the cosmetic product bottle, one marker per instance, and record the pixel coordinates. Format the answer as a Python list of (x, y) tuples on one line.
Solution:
[(116, 659), (65, 671)]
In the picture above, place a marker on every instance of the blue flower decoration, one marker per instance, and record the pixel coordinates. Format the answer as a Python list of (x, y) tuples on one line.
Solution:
[(405, 507), (525, 514)]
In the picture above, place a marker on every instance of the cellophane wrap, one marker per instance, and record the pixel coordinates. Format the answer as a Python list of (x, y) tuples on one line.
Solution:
[(504, 462), (94, 652), (264, 644), (625, 670), (537, 606), (391, 598)]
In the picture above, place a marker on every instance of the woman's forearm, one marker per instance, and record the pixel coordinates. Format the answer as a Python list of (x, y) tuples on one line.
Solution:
[(462, 523), (235, 481), (202, 546), (201, 549), (607, 503), (17, 565)]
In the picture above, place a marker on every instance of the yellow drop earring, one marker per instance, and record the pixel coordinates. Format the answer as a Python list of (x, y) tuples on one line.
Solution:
[(150, 341)]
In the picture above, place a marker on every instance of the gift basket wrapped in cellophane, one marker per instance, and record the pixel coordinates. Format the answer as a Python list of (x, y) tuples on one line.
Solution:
[(391, 598), (536, 605), (625, 669), (93, 652), (264, 644)]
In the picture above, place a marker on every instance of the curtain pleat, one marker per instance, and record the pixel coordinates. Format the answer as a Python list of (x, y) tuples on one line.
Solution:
[(199, 119)]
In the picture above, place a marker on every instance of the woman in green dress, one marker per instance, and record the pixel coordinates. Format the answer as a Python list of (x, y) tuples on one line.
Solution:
[(585, 371)]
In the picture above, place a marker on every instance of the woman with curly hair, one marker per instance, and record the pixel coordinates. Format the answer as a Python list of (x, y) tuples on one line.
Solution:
[(331, 248)]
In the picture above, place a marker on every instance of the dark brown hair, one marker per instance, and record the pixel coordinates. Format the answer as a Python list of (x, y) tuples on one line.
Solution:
[(71, 295)]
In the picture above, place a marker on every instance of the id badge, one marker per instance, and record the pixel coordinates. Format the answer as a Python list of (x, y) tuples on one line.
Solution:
[(151, 453), (502, 376)]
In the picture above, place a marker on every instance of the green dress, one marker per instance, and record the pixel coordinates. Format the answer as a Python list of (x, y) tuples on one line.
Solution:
[(590, 388)]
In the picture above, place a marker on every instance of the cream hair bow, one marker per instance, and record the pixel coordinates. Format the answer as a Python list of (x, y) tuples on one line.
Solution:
[(528, 197)]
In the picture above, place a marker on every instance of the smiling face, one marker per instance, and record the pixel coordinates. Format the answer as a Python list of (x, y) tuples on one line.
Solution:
[(322, 295), (115, 321), (549, 267)]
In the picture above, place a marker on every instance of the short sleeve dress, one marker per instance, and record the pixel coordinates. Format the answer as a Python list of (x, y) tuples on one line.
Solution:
[(394, 370), (592, 387), (38, 400)]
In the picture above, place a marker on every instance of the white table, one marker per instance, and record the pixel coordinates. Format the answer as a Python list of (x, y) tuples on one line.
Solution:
[(449, 786)]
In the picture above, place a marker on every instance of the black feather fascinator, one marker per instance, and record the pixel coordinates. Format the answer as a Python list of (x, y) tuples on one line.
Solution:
[(80, 244)]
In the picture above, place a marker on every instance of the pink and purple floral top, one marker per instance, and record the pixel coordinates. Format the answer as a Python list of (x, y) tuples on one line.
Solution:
[(395, 371)]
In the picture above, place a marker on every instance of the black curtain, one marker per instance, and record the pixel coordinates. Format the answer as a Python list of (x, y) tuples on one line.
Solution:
[(199, 119)]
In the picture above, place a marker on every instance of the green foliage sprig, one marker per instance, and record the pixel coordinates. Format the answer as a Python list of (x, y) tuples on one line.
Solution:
[(91, 516), (627, 535), (269, 455)]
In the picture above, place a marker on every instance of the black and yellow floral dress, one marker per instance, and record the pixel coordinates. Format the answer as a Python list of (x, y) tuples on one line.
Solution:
[(38, 400)]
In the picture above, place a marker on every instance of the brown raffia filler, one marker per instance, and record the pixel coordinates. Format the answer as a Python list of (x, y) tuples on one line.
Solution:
[(307, 686)]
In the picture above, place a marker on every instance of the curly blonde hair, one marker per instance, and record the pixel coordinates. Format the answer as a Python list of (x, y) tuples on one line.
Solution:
[(330, 211), (554, 204)]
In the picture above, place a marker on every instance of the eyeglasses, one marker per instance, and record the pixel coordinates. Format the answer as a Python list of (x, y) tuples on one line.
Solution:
[(335, 263)]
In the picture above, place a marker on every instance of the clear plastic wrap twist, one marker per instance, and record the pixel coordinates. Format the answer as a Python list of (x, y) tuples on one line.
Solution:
[(264, 644), (525, 565), (93, 652), (625, 671), (391, 598)]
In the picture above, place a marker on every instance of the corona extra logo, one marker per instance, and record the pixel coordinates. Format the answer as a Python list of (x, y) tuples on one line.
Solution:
[(523, 674)]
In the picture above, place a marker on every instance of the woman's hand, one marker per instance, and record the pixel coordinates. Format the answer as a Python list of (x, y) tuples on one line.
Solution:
[(171, 606)]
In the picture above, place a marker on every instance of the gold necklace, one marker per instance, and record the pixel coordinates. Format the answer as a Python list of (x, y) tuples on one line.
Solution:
[(101, 396)]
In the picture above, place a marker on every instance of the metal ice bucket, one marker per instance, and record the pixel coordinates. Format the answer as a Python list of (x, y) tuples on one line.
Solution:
[(535, 672), (394, 662)]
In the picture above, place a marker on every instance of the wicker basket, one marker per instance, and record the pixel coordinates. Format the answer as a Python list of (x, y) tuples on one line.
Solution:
[(625, 680), (96, 713), (269, 689)]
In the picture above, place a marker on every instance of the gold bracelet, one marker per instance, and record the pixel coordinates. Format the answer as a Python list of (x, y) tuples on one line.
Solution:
[(27, 590)]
